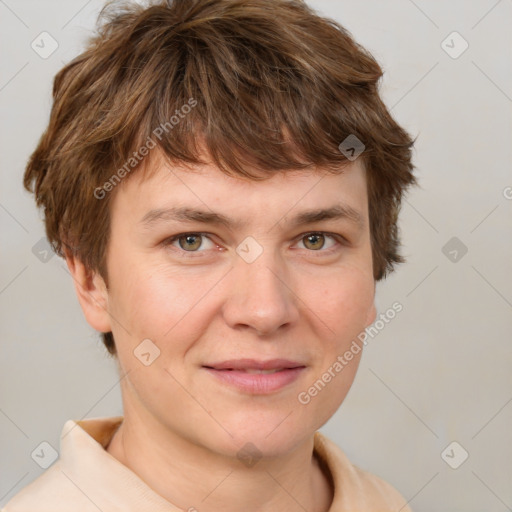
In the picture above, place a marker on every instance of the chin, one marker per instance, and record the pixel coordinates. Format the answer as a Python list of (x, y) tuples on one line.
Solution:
[(269, 434)]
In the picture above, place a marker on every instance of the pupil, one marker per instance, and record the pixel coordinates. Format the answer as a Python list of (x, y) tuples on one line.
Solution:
[(314, 239), (189, 241)]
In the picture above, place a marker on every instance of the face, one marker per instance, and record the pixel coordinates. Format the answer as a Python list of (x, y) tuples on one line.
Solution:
[(253, 278)]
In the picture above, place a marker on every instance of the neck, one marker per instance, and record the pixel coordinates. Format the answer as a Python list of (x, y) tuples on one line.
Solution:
[(192, 477)]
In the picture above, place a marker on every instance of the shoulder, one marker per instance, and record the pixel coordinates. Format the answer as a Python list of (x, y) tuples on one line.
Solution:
[(51, 491), (60, 487), (355, 488)]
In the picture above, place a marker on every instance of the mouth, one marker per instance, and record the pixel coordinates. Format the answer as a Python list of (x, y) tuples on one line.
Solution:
[(255, 366), (256, 377), (251, 370)]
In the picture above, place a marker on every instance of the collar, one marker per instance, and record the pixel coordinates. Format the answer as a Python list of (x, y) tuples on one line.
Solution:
[(84, 459), (100, 476)]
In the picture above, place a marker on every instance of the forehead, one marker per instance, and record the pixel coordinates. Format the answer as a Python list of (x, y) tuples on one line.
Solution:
[(163, 186)]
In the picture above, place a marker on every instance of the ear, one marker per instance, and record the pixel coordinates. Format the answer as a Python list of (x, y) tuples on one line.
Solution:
[(92, 293), (372, 312), (372, 315)]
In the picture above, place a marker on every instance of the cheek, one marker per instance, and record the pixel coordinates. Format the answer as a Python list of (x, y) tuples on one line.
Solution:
[(153, 302), (343, 302)]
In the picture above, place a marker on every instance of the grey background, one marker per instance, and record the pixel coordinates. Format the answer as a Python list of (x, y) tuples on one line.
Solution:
[(439, 372)]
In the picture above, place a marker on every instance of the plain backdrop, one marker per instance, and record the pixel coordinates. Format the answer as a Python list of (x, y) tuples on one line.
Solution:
[(439, 373)]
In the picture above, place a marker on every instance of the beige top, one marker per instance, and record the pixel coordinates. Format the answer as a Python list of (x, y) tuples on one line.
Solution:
[(86, 478)]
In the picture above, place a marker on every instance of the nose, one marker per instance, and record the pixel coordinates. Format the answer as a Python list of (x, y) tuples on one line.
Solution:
[(260, 296)]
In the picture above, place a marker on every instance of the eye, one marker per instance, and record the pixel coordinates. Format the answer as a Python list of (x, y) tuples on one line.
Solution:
[(316, 241), (189, 242)]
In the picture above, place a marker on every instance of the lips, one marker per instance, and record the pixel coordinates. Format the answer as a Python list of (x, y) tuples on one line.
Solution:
[(255, 366), (256, 377)]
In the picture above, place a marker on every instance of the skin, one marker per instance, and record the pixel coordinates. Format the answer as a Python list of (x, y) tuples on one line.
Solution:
[(183, 428)]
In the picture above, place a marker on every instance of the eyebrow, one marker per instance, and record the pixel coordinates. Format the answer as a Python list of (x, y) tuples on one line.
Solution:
[(185, 214)]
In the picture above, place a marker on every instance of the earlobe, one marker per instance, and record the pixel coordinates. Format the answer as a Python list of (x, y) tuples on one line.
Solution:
[(92, 294)]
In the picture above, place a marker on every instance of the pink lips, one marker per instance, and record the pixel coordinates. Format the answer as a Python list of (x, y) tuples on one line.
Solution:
[(243, 374), (254, 364)]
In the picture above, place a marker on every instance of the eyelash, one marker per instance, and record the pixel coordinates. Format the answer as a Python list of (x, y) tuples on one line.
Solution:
[(340, 241)]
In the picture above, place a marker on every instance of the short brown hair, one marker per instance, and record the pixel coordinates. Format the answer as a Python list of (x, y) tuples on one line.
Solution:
[(273, 85)]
